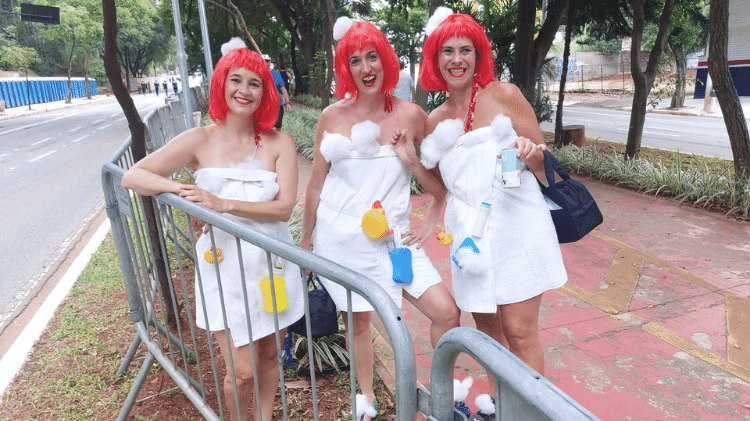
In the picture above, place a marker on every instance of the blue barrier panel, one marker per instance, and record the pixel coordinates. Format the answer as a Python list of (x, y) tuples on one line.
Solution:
[(94, 87), (4, 94), (36, 92), (18, 93)]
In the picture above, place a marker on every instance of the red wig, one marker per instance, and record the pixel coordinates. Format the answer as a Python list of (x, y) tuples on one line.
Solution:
[(268, 110), (461, 26), (360, 36)]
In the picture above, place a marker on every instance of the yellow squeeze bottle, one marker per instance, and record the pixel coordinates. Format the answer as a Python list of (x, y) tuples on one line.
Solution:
[(374, 223), (279, 288)]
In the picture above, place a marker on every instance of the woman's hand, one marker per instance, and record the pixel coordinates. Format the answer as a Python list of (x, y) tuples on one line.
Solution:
[(305, 243), (403, 145), (198, 225), (419, 234), (202, 197), (531, 153)]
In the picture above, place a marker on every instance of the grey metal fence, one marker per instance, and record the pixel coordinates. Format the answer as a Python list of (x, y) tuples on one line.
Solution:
[(156, 264)]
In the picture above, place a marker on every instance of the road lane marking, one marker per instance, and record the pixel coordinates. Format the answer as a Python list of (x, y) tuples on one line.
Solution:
[(41, 141), (104, 127), (41, 156), (80, 138)]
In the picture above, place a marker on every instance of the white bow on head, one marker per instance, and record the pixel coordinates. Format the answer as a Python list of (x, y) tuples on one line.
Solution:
[(441, 13), (231, 45), (340, 28)]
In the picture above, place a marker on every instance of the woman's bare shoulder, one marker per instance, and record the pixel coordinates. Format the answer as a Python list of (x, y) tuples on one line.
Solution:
[(436, 116), (503, 90)]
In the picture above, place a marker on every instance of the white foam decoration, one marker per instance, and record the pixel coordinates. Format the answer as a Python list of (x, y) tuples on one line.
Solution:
[(341, 27), (365, 137), (461, 388), (441, 14), (484, 403), (439, 141), (232, 44)]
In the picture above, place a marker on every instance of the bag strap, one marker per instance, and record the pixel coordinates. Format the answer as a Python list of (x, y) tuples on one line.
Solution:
[(552, 165), (312, 278)]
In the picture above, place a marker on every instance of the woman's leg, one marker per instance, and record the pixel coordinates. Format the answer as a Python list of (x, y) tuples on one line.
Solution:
[(268, 373), (521, 330), (268, 377), (364, 353), (243, 372), (438, 305), (491, 324)]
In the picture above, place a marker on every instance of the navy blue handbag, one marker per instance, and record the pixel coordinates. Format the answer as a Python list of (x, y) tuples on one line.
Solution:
[(573, 209), (323, 315)]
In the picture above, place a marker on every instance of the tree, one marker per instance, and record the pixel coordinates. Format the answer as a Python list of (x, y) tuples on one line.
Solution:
[(689, 33), (73, 21), (530, 52), (729, 101), (19, 58), (138, 142), (140, 37), (643, 81), (404, 27)]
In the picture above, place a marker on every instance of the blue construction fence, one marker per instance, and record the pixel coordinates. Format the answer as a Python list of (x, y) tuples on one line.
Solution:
[(42, 89)]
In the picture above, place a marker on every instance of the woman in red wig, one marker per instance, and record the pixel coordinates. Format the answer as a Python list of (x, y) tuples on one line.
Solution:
[(505, 251), (247, 171), (365, 153)]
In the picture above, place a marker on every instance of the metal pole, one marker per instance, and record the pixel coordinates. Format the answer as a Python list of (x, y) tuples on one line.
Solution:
[(206, 43), (182, 62)]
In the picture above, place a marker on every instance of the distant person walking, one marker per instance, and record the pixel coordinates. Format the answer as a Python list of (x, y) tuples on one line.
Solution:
[(405, 87), (156, 86), (174, 86), (166, 90), (281, 89)]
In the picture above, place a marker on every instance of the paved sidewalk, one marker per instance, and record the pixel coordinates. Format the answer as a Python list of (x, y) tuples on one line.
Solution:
[(654, 322)]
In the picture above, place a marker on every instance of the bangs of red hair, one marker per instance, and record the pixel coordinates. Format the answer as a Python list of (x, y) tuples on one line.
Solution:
[(268, 110), (462, 26), (360, 36)]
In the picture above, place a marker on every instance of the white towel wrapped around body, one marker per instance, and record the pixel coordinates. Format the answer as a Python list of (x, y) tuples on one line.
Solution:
[(519, 244), (251, 184), (363, 171)]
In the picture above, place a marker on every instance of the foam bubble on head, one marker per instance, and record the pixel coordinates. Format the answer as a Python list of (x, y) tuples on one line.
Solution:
[(232, 44), (441, 14), (341, 27)]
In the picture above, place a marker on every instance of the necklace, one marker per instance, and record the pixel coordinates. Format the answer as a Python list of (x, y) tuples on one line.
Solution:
[(258, 143), (469, 119)]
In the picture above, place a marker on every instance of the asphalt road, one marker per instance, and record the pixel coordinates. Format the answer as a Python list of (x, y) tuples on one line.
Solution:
[(698, 135), (50, 189)]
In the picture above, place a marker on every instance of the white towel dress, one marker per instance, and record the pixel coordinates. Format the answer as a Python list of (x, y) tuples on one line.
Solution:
[(519, 255), (362, 172), (250, 183)]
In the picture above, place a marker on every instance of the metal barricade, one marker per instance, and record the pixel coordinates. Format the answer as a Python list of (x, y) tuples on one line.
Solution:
[(520, 392), (173, 343), (161, 307)]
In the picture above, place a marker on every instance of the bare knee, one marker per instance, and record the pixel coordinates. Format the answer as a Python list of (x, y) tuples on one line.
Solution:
[(360, 324), (448, 316)]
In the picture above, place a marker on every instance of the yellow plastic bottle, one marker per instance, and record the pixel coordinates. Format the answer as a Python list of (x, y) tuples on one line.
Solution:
[(374, 222), (280, 289)]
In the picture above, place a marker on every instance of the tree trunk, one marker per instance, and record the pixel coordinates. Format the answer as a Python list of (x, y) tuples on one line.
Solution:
[(530, 52), (678, 97), (70, 64), (726, 93), (86, 74), (563, 79), (644, 80), (329, 45), (138, 139)]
